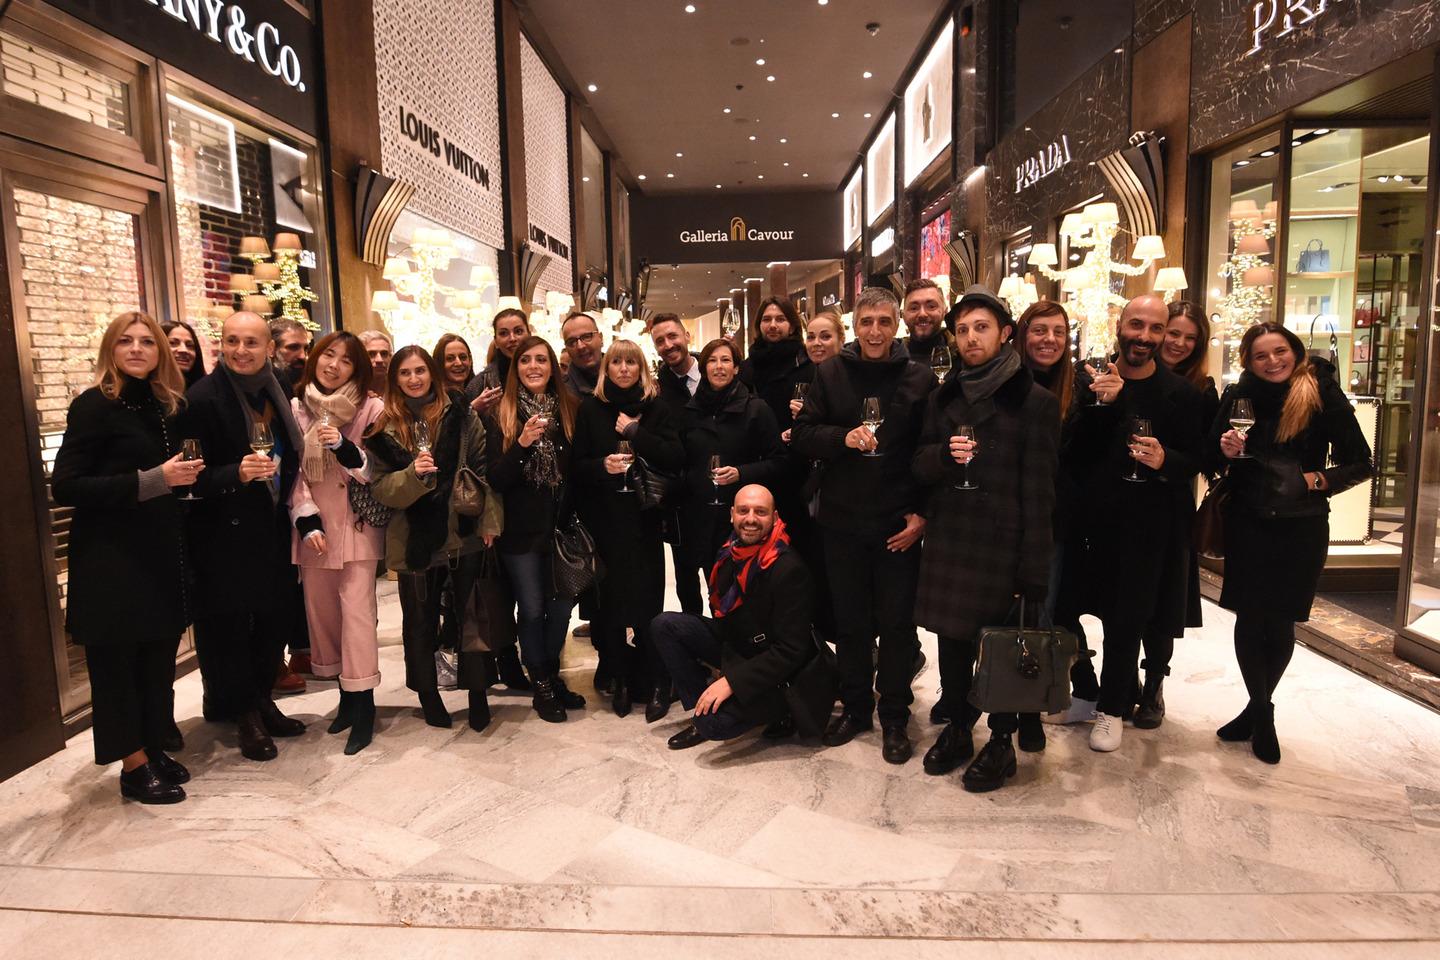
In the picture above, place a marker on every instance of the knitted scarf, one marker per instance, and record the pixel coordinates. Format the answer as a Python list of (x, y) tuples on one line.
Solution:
[(340, 405), (735, 564)]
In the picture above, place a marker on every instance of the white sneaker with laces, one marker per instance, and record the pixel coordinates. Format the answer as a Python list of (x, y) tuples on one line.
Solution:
[(1105, 735), (1079, 711)]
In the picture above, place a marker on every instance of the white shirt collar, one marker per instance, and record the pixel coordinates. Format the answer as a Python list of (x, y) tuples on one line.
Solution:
[(692, 376)]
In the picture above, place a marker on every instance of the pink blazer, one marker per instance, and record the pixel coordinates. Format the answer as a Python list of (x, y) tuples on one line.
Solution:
[(330, 498)]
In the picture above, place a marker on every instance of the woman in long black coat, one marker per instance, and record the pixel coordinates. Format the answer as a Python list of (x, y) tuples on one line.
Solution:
[(723, 419), (625, 407), (1277, 524), (117, 466)]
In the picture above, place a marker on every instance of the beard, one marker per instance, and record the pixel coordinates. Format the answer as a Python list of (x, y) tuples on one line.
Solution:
[(1136, 351)]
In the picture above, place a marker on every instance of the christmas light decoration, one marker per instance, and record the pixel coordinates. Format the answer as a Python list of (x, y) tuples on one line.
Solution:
[(1252, 278)]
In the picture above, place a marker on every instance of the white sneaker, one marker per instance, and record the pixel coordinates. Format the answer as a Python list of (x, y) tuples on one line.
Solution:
[(1105, 735), (1079, 711)]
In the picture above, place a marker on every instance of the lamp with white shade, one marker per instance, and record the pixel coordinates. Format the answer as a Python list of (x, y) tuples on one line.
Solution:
[(1148, 249), (1043, 254), (1169, 281)]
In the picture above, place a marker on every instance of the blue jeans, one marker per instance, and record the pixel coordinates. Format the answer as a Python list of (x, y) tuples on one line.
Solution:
[(688, 643), (543, 620)]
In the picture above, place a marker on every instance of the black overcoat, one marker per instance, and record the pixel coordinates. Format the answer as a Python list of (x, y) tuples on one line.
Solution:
[(126, 556), (771, 372), (768, 638), (984, 546)]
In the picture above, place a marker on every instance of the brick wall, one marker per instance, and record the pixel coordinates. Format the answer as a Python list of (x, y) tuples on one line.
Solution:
[(39, 76)]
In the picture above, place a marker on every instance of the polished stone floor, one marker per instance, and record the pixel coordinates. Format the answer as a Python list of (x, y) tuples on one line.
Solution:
[(591, 837)]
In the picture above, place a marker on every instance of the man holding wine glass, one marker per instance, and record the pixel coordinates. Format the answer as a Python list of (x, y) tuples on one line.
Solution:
[(1135, 452), (240, 533)]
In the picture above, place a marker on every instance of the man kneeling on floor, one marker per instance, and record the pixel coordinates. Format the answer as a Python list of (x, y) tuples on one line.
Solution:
[(760, 638)]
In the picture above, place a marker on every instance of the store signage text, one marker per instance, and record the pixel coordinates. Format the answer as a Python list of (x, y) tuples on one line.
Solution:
[(1046, 161), (432, 140), (738, 231), (553, 244), (1281, 16), (228, 24)]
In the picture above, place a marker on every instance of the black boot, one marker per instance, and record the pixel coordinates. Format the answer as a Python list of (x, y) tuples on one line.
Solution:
[(1240, 729), (953, 747), (1264, 742), (146, 785), (255, 743), (546, 703), (620, 700), (344, 714), (276, 723), (479, 717), (571, 699), (511, 673), (995, 763), (362, 718), (1151, 711), (660, 700), (434, 709)]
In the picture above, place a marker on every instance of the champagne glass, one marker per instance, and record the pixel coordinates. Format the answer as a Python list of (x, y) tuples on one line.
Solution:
[(966, 432), (545, 409), (1139, 427), (325, 418), (624, 449), (262, 441), (940, 361), (1242, 418), (801, 390), (715, 464), (420, 433), (190, 450), (489, 378), (874, 416), (1099, 361)]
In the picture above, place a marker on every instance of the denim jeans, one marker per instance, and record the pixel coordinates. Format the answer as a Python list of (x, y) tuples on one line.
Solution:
[(543, 620)]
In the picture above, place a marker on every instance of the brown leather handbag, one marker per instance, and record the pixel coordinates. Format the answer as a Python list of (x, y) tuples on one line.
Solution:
[(467, 497), (1209, 529)]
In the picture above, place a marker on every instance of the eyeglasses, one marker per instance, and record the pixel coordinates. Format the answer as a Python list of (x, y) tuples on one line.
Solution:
[(580, 338)]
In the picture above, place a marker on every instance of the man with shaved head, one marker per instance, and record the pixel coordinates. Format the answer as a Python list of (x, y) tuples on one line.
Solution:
[(1133, 456), (240, 533), (760, 636)]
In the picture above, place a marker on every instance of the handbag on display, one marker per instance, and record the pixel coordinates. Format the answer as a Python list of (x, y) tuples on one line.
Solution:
[(657, 488), (366, 508), (812, 692), (1209, 530), (467, 496), (1314, 258), (1023, 671)]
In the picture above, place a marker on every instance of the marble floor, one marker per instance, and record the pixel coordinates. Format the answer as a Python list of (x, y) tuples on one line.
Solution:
[(591, 836)]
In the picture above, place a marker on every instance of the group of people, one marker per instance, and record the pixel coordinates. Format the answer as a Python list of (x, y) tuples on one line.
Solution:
[(811, 492)]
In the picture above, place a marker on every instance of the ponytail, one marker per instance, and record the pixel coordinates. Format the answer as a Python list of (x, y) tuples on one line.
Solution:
[(1301, 403)]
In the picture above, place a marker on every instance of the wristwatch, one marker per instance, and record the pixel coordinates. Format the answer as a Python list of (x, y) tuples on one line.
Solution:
[(1319, 478)]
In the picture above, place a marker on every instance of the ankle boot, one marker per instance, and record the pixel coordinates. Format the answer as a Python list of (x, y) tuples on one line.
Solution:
[(479, 717), (343, 713), (511, 673), (362, 716), (434, 709), (1151, 711), (1240, 729), (545, 701), (620, 700), (1264, 742), (571, 699), (255, 743), (660, 700)]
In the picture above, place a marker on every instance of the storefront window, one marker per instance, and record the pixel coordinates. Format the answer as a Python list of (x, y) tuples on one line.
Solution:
[(1423, 610), (444, 282), (934, 261), (33, 74)]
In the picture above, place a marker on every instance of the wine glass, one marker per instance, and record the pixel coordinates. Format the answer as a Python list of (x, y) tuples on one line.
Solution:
[(325, 418), (966, 432), (544, 409), (624, 449), (940, 361), (1099, 361), (190, 450), (1139, 427), (874, 416), (801, 390), (1242, 418), (489, 378), (420, 433), (262, 441), (715, 464)]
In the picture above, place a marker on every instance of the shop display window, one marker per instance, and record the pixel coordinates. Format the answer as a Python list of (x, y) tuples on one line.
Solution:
[(33, 74), (934, 234), (443, 282)]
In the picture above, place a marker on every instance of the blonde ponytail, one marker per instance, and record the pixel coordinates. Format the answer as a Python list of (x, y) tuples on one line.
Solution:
[(1301, 403)]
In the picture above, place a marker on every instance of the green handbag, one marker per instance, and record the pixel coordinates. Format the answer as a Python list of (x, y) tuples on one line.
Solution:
[(1021, 670)]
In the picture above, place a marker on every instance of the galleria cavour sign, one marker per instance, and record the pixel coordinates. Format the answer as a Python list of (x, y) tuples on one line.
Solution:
[(690, 228)]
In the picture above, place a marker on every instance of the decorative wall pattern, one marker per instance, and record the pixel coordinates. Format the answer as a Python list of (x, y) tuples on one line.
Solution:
[(547, 165), (440, 111)]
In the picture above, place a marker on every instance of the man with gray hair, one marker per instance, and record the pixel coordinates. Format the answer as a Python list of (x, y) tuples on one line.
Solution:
[(862, 418)]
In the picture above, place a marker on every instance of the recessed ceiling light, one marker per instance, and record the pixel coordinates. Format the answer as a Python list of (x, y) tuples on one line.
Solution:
[(1267, 153), (1294, 143), (867, 74), (784, 140), (822, 2), (771, 78), (717, 186), (584, 179), (834, 116), (726, 110), (786, 163), (1119, 49), (1321, 132), (592, 88), (752, 136), (679, 154), (640, 177), (1242, 163), (760, 62), (969, 69), (689, 8), (759, 176), (869, 115), (804, 174), (669, 176)]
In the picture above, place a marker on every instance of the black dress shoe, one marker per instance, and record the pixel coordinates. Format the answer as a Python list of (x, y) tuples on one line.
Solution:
[(780, 729), (620, 700), (659, 704), (896, 746), (995, 763), (434, 709), (685, 739), (173, 741), (1032, 733), (845, 728), (953, 747), (146, 785), (167, 768), (276, 723), (546, 703), (255, 743)]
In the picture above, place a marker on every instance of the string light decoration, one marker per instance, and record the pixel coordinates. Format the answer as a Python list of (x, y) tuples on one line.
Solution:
[(1251, 276), (277, 280)]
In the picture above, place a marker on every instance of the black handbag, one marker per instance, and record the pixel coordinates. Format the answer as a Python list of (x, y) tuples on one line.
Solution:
[(494, 606), (658, 488), (1022, 670), (812, 692), (366, 508), (1314, 258), (1209, 530), (575, 565)]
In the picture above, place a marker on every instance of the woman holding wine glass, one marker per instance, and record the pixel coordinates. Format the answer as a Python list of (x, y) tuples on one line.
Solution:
[(334, 549), (1277, 527), (625, 410), (185, 348), (423, 438), (730, 440), (119, 466), (528, 449)]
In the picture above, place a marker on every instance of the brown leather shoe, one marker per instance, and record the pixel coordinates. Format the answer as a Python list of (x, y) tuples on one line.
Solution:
[(300, 663), (255, 743), (287, 681)]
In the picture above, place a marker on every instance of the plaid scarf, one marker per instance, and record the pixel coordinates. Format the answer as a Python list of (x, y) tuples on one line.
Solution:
[(731, 575)]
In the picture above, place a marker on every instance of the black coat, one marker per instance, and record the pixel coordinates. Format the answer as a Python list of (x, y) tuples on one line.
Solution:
[(743, 434), (1129, 554), (126, 555), (675, 391), (768, 638), (239, 534), (626, 537), (862, 495), (529, 507), (771, 371), (984, 546)]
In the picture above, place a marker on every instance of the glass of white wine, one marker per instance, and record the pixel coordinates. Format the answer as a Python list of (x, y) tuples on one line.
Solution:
[(262, 441), (874, 417), (420, 433), (940, 362), (1242, 418), (624, 449), (190, 450)]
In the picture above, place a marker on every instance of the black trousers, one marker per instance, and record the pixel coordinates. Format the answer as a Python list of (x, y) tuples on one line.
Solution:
[(957, 673), (1084, 683), (239, 656), (1263, 648), (1119, 679), (641, 666), (131, 685), (873, 590), (420, 595), (689, 582), (690, 647), (298, 638)]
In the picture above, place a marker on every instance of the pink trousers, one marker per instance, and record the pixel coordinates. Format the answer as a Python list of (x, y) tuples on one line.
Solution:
[(340, 609)]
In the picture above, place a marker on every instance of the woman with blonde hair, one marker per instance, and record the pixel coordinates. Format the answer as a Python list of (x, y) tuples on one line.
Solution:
[(119, 465), (625, 410), (1305, 446)]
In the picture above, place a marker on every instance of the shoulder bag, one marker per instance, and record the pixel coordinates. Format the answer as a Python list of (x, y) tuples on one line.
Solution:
[(1209, 530), (658, 488), (575, 565), (467, 497), (812, 692), (366, 508), (1023, 671), (1314, 258)]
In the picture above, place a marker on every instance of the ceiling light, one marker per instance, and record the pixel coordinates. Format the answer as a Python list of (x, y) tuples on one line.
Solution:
[(867, 74), (771, 78), (834, 116), (1383, 179), (640, 177), (689, 8), (679, 154), (970, 70), (584, 179), (592, 88), (784, 140), (1294, 143), (717, 186), (1242, 163), (822, 2), (1321, 132), (760, 62), (787, 163), (1119, 49), (1267, 153), (869, 115), (804, 174), (759, 176), (669, 176), (752, 136), (726, 110)]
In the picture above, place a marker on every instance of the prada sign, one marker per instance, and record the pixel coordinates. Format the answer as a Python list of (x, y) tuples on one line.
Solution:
[(689, 228)]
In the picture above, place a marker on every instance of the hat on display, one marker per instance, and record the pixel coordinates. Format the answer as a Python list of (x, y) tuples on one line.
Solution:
[(978, 295)]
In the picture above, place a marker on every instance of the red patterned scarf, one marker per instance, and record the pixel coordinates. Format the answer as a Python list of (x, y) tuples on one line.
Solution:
[(733, 567)]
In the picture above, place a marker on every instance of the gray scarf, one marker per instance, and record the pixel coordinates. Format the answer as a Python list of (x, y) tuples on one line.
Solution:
[(265, 382), (979, 383)]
